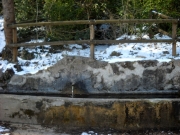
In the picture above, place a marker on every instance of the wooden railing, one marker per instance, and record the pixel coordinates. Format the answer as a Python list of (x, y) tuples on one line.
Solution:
[(174, 30), (91, 41)]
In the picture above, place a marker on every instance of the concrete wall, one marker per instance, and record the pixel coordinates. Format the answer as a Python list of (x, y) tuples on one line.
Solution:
[(91, 76), (120, 114)]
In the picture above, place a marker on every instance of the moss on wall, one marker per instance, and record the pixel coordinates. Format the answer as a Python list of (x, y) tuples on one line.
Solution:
[(116, 115)]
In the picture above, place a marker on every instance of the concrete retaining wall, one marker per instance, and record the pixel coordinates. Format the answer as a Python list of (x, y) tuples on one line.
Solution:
[(91, 76), (120, 114)]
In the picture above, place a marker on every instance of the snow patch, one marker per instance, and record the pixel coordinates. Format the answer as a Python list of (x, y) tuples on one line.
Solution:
[(109, 53)]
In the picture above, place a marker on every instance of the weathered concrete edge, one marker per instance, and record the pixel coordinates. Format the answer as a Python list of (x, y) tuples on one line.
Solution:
[(119, 114)]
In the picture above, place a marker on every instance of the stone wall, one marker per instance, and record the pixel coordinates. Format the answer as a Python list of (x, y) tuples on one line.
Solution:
[(91, 76)]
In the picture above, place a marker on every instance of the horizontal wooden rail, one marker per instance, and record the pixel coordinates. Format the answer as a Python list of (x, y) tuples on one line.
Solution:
[(93, 22), (92, 42), (89, 42), (161, 15)]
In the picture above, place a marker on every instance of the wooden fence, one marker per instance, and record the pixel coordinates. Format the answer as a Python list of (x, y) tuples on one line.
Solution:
[(91, 41)]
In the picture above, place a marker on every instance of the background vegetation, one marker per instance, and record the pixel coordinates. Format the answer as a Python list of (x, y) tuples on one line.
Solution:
[(59, 10)]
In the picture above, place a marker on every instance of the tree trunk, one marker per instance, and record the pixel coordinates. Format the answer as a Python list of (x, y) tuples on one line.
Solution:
[(9, 17)]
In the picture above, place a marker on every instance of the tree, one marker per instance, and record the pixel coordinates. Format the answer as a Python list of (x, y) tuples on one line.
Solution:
[(9, 17)]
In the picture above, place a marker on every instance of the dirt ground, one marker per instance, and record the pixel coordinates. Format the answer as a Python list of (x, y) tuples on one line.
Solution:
[(25, 129)]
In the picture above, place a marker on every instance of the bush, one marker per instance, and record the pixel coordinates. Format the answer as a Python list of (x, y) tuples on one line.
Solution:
[(61, 10), (29, 10)]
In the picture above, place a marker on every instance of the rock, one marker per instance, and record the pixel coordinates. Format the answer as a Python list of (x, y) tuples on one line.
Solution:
[(140, 56), (1, 89), (2, 84), (7, 53), (165, 52), (4, 77), (1, 73), (18, 67), (26, 55)]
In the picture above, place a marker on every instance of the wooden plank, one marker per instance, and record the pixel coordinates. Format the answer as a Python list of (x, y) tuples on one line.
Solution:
[(90, 42), (15, 51), (161, 31), (164, 32), (174, 35), (93, 22), (131, 41), (51, 43), (162, 15)]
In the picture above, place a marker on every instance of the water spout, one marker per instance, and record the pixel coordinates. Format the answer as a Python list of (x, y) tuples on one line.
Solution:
[(72, 90)]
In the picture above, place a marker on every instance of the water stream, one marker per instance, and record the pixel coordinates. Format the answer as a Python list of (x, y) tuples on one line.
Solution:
[(72, 91)]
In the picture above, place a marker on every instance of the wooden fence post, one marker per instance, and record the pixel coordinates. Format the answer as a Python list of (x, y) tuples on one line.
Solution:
[(15, 51), (91, 38), (174, 34)]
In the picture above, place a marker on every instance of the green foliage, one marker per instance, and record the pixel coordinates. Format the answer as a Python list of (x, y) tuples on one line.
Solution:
[(28, 10), (167, 7), (82, 35), (57, 10), (63, 10)]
